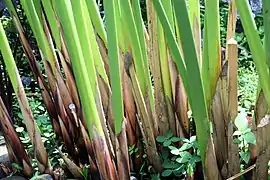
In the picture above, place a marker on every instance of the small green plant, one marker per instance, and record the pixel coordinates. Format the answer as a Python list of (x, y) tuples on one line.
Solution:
[(85, 171), (244, 136), (168, 139), (17, 168), (155, 177), (144, 171), (44, 124), (133, 150), (180, 155), (247, 89)]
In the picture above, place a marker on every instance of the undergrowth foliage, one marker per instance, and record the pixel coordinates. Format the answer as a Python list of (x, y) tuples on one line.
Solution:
[(180, 155)]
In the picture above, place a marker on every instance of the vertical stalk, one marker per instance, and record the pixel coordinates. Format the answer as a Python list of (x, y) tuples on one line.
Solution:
[(212, 61), (34, 134), (87, 96), (233, 156), (116, 85)]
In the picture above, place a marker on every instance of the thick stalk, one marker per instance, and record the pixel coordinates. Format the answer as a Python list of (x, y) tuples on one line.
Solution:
[(34, 134)]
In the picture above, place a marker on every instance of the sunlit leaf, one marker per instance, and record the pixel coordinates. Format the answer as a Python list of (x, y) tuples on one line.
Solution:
[(161, 139), (250, 137), (19, 129), (182, 160), (175, 152), (241, 122), (245, 156), (185, 146)]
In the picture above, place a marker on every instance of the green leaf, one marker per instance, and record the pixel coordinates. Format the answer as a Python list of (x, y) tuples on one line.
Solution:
[(44, 139), (19, 129), (20, 115), (167, 143), (186, 140), (169, 134), (17, 166), (155, 177), (179, 168), (182, 160), (179, 171), (26, 141), (41, 108), (236, 141), (131, 147), (165, 155), (195, 144), (172, 148), (85, 172), (167, 164), (49, 127), (246, 131), (195, 88), (48, 134), (241, 122), (237, 133), (193, 138), (175, 152), (190, 170), (93, 10), (185, 146), (250, 138), (185, 155), (161, 139), (166, 173), (176, 139), (43, 119), (211, 49), (196, 158), (114, 62), (245, 156), (175, 164)]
